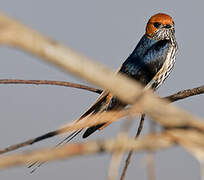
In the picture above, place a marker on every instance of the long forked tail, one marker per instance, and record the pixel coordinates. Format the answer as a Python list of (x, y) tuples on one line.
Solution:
[(35, 165), (95, 107)]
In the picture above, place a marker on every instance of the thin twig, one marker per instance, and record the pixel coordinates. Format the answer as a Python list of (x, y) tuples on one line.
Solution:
[(150, 160), (115, 165), (127, 162), (150, 156), (46, 82), (202, 170), (174, 97), (186, 93)]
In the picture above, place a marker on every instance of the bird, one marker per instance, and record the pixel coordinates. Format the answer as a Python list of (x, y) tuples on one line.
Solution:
[(150, 63)]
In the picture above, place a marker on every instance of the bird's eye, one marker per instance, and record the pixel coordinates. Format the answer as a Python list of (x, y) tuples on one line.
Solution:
[(156, 24)]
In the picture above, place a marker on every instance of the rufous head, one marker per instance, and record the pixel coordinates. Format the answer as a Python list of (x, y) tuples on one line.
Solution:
[(159, 23)]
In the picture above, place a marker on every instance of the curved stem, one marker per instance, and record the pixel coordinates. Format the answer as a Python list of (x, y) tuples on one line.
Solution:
[(47, 82)]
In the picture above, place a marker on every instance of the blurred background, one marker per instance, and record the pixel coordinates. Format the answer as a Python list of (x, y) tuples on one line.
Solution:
[(106, 31)]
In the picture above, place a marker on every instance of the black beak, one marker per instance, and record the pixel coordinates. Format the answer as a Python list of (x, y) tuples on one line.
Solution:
[(168, 26)]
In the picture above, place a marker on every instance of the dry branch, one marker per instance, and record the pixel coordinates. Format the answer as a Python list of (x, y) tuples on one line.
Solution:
[(192, 140), (187, 138), (47, 82), (174, 97), (150, 162), (122, 143), (186, 93), (115, 165)]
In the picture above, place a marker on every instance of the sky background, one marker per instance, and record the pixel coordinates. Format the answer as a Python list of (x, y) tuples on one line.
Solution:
[(107, 31)]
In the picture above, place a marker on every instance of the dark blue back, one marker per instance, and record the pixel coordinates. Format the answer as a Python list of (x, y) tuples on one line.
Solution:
[(146, 59)]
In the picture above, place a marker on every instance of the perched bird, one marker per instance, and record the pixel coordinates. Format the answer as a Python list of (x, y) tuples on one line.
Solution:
[(150, 63)]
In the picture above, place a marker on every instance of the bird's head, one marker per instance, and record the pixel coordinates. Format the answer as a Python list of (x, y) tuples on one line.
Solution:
[(160, 26)]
